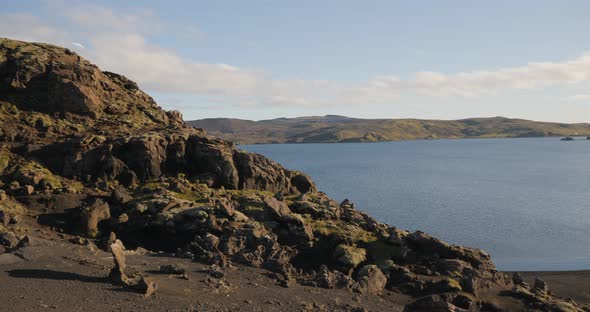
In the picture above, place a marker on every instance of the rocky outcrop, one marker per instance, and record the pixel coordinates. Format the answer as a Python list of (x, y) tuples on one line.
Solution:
[(62, 112)]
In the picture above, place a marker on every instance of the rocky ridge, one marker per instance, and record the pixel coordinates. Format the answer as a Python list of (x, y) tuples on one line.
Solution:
[(86, 152)]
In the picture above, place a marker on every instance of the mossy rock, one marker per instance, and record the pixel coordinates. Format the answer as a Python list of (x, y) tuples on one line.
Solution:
[(4, 160), (349, 256), (379, 252), (447, 285), (341, 232), (39, 121), (33, 173)]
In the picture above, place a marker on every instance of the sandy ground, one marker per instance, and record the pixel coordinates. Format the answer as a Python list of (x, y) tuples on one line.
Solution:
[(56, 275)]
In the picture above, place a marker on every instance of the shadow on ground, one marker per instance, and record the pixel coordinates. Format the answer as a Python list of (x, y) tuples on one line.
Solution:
[(57, 275)]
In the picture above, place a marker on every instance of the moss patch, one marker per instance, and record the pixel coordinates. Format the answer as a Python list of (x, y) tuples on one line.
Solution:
[(380, 251), (4, 160), (341, 231), (31, 168)]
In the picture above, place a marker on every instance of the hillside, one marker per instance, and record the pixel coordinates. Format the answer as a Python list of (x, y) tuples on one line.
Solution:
[(336, 129), (108, 202)]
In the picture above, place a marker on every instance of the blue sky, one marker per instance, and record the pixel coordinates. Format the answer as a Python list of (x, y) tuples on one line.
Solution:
[(373, 59)]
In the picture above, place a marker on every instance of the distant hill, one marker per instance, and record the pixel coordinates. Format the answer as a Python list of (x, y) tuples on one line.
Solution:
[(336, 129)]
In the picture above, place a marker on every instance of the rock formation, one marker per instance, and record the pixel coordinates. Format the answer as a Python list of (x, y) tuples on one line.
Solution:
[(89, 153)]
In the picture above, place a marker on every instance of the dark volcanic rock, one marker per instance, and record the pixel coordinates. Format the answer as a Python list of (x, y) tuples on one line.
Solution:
[(117, 274), (370, 280), (94, 213), (98, 126)]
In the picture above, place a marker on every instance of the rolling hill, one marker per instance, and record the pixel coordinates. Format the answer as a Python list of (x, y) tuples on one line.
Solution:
[(339, 129)]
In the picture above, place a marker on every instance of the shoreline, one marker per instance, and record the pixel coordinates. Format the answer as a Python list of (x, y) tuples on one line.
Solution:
[(565, 284), (576, 138)]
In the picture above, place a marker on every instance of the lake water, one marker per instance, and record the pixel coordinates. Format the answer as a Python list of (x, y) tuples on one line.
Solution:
[(525, 201)]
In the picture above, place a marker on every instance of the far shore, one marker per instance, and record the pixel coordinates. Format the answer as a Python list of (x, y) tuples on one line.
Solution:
[(565, 284), (575, 138)]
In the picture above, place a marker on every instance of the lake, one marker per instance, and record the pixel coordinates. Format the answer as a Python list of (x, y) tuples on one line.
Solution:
[(525, 201)]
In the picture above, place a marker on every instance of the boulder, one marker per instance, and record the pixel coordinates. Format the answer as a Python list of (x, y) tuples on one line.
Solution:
[(239, 217), (540, 285), (278, 208), (370, 280), (92, 214), (349, 257), (303, 184), (325, 278), (28, 176), (121, 196), (517, 279), (226, 207), (9, 240), (297, 231), (172, 269), (28, 190), (305, 207)]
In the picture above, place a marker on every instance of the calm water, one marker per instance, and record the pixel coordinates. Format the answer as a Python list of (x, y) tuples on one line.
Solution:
[(526, 201)]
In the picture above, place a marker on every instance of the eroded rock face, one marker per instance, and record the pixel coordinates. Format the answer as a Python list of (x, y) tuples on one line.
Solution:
[(99, 127), (50, 81)]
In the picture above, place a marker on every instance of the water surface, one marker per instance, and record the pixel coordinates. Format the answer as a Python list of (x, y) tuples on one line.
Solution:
[(525, 201)]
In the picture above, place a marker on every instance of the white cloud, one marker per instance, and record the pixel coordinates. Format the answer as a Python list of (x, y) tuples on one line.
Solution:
[(475, 83), (104, 19), (578, 98), (120, 42), (30, 28)]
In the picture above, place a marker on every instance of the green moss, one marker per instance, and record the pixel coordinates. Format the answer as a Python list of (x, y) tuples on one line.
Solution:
[(34, 168), (253, 208), (250, 193), (342, 231), (76, 186), (452, 284), (39, 120), (4, 160), (190, 196), (380, 251), (152, 185), (350, 255)]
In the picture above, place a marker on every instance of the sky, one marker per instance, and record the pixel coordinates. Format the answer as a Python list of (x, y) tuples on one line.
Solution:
[(370, 59)]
